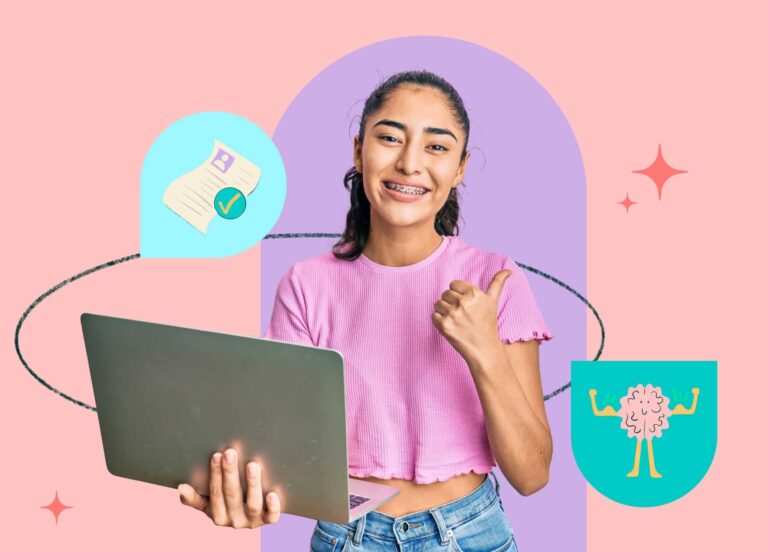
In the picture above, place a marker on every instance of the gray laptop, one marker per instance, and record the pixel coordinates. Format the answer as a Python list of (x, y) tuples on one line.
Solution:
[(168, 397)]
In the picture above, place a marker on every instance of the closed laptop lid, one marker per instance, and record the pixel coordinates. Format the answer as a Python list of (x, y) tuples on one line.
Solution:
[(168, 397)]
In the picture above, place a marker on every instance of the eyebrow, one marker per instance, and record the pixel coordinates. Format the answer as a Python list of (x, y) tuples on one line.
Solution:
[(428, 130)]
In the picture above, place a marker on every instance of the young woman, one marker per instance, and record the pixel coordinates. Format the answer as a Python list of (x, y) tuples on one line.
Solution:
[(440, 341)]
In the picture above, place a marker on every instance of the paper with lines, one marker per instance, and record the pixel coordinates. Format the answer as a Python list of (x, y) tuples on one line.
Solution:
[(192, 194)]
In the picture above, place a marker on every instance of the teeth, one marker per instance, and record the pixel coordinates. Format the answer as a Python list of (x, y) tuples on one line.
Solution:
[(405, 189)]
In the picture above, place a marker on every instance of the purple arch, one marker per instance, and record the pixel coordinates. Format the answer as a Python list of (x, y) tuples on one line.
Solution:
[(525, 196)]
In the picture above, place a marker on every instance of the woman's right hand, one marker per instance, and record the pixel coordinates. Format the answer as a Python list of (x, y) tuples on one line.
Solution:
[(224, 503)]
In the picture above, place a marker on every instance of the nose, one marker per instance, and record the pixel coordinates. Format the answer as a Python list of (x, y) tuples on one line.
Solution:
[(410, 161)]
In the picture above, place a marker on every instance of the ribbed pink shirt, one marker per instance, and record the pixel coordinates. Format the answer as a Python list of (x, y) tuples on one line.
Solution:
[(413, 411)]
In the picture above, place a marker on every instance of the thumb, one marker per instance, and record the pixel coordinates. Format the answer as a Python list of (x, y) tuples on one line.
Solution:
[(497, 284)]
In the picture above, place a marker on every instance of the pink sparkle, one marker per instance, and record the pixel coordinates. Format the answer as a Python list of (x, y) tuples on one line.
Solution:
[(627, 202), (56, 507), (659, 171)]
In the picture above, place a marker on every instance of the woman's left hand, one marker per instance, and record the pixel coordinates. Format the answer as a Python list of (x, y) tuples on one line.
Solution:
[(467, 316)]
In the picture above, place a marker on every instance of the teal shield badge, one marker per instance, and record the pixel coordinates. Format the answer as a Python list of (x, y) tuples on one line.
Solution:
[(644, 432)]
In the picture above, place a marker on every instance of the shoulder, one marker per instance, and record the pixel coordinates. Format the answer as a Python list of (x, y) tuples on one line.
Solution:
[(472, 257), (320, 267), (324, 261)]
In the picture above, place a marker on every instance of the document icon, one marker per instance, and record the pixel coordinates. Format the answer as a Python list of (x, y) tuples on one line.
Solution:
[(191, 195)]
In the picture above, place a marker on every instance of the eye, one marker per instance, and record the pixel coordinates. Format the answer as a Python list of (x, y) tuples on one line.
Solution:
[(388, 138), (439, 146)]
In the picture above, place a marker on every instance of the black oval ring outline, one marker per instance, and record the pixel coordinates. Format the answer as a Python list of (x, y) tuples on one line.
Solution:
[(267, 237)]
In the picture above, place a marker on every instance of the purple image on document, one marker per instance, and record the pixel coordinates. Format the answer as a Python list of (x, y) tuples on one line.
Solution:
[(223, 160)]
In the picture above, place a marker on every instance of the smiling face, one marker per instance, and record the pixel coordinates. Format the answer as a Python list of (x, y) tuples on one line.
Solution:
[(644, 412), (410, 158)]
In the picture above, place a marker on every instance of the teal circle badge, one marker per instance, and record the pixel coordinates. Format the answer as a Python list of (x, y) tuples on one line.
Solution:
[(229, 203)]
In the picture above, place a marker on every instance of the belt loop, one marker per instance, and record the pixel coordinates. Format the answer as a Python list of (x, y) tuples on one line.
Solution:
[(495, 479), (359, 530), (497, 490), (441, 528)]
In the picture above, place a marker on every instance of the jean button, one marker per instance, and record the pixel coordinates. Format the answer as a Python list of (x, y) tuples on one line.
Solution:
[(404, 526)]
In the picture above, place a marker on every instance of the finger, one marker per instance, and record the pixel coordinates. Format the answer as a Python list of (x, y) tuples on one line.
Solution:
[(233, 491), (452, 297), (216, 493), (437, 321), (443, 324), (190, 497), (254, 502), (442, 307), (460, 286), (272, 513), (497, 283)]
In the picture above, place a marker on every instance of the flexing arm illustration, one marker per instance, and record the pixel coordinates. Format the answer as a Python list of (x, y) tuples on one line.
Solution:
[(644, 413)]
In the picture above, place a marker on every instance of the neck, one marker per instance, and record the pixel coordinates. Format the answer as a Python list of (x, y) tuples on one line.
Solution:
[(401, 246)]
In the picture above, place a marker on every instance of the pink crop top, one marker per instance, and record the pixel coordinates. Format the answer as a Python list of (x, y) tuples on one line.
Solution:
[(413, 411)]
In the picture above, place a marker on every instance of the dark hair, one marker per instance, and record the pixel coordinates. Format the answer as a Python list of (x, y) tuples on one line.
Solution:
[(355, 236)]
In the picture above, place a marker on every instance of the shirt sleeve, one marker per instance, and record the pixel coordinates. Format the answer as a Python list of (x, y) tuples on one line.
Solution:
[(519, 316), (289, 313)]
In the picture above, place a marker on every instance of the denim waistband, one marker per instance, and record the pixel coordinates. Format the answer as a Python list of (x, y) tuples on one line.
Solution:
[(436, 520)]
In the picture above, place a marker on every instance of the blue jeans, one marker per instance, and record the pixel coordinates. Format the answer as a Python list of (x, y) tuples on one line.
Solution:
[(473, 523)]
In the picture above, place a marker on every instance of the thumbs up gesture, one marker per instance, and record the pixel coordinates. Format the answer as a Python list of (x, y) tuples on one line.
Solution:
[(467, 316)]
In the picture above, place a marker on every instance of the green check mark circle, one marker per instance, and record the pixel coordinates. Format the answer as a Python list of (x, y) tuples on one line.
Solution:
[(229, 203)]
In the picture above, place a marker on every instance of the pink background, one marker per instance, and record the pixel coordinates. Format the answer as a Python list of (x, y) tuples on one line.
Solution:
[(679, 278)]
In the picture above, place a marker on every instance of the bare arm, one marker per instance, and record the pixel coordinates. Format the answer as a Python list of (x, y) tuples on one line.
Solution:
[(509, 386)]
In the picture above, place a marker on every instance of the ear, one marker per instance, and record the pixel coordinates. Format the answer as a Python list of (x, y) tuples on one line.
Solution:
[(357, 155), (462, 170)]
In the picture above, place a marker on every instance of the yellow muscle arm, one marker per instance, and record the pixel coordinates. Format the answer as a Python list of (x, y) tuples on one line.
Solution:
[(607, 411)]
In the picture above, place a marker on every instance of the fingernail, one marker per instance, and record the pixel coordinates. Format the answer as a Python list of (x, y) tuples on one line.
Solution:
[(252, 469), (217, 459), (230, 455)]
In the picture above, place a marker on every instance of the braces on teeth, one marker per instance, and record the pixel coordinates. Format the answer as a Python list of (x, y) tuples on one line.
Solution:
[(406, 189)]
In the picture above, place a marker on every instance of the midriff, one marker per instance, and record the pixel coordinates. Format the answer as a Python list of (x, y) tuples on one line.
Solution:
[(415, 497)]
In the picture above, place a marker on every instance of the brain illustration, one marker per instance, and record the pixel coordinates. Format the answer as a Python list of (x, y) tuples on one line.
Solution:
[(644, 412)]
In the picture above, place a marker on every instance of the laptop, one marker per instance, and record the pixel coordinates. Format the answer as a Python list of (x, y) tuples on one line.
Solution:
[(168, 397)]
